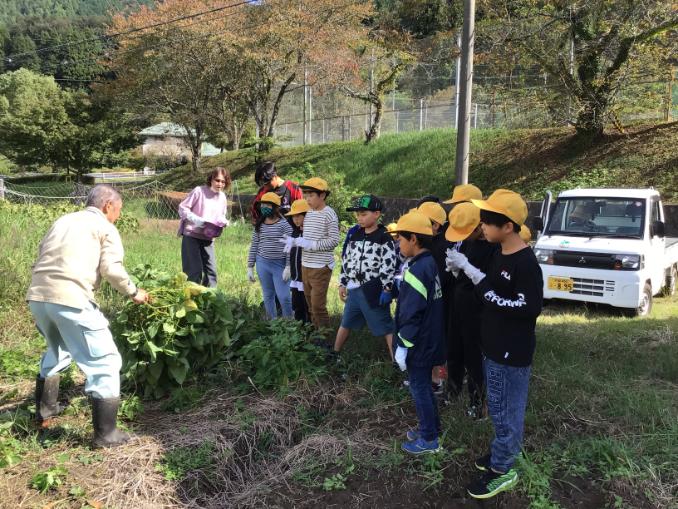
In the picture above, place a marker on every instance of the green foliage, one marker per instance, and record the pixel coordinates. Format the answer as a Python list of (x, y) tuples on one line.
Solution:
[(182, 399), (184, 331), (49, 479), (178, 462), (11, 10), (130, 408), (336, 482), (280, 354)]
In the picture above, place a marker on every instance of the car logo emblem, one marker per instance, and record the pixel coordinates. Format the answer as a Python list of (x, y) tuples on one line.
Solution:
[(582, 260)]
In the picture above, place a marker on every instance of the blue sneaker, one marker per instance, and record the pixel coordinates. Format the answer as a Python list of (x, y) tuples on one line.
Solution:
[(421, 446), (412, 435)]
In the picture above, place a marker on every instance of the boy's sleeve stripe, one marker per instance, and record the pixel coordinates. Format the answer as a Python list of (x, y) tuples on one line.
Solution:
[(406, 343), (412, 280)]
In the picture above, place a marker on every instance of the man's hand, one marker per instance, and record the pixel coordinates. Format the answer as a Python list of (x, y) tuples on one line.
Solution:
[(141, 296), (401, 357), (342, 293)]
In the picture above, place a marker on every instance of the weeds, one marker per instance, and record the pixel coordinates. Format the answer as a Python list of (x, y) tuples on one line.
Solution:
[(178, 462), (49, 479)]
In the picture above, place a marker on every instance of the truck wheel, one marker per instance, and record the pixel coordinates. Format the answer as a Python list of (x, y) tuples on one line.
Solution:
[(645, 302), (671, 282)]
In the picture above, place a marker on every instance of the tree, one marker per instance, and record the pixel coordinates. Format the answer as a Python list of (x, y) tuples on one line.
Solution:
[(589, 47), (382, 58), (33, 118)]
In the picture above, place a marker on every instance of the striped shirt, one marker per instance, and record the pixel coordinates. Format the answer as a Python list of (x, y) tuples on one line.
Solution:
[(266, 242), (321, 227)]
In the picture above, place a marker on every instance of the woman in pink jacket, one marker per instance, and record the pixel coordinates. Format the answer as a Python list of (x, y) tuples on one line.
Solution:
[(203, 217)]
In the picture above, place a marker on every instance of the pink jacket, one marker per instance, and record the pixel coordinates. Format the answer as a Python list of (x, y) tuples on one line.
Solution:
[(207, 205)]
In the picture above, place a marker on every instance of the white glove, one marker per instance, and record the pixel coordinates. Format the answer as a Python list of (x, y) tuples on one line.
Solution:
[(458, 261), (195, 219), (250, 274), (305, 243), (289, 243), (400, 357), (287, 273)]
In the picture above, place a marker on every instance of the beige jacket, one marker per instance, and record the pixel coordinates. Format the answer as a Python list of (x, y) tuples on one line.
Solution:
[(78, 250)]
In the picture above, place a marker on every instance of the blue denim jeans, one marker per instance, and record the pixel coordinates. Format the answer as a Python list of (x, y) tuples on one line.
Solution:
[(506, 401), (424, 401), (83, 336), (272, 285)]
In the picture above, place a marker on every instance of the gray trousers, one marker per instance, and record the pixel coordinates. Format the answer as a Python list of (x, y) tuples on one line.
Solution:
[(198, 260)]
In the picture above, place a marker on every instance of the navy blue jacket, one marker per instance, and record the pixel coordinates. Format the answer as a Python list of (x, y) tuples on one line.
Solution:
[(420, 324)]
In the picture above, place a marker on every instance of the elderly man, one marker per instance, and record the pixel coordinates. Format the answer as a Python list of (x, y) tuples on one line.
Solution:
[(78, 250)]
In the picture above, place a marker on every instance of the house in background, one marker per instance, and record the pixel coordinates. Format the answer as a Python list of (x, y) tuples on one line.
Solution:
[(170, 140)]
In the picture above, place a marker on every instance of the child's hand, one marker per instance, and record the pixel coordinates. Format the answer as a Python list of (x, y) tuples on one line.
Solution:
[(289, 243), (287, 273), (342, 293), (401, 357), (250, 274)]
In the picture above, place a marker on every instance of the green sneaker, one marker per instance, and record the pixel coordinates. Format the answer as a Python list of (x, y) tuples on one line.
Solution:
[(492, 483)]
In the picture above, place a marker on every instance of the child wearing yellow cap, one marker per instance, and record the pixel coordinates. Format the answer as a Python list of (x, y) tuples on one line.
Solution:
[(270, 258), (464, 357), (297, 214), (511, 290), (320, 237), (419, 328)]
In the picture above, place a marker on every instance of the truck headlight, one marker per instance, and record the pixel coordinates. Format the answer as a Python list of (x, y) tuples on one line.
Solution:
[(544, 256), (628, 262)]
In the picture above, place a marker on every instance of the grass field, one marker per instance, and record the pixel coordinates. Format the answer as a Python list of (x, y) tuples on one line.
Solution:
[(413, 164), (601, 428)]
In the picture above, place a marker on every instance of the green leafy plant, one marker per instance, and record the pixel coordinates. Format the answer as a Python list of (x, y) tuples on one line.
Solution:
[(184, 331), (281, 354), (130, 408), (178, 462), (335, 483), (181, 399), (49, 479)]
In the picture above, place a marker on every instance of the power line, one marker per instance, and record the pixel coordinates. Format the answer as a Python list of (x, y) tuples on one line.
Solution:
[(131, 31)]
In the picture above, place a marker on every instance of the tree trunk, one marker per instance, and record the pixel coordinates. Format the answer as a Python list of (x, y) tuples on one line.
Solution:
[(236, 135), (591, 118), (375, 125)]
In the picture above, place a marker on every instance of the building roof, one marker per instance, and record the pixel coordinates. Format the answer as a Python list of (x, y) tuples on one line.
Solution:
[(609, 193), (164, 129)]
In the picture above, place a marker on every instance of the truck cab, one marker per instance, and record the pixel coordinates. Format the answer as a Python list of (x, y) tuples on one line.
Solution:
[(607, 246)]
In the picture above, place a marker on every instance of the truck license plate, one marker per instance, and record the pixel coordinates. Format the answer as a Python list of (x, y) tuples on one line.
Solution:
[(561, 284)]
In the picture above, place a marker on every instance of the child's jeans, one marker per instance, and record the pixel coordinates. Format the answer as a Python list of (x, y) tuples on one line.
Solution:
[(424, 401), (272, 285), (506, 401)]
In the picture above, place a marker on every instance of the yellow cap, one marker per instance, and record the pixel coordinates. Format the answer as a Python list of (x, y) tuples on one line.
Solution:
[(465, 192), (298, 207), (316, 184), (390, 227), (434, 211), (505, 202), (414, 222), (464, 219), (525, 233), (271, 198)]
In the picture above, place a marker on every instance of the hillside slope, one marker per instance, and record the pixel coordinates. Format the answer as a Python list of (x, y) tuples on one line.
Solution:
[(528, 161)]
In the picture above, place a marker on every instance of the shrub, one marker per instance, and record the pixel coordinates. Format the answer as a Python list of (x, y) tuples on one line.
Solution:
[(185, 330)]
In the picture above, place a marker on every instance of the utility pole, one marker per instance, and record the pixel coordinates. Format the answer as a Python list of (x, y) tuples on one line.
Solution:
[(456, 84), (464, 130), (304, 137), (310, 115)]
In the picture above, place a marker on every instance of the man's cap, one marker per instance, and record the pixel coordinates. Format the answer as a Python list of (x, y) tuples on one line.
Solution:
[(464, 219), (525, 233), (366, 202), (414, 222), (270, 198), (505, 202), (298, 207), (434, 211), (465, 192), (316, 184)]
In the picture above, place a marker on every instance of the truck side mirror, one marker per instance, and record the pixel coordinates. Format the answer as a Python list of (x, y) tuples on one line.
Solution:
[(658, 229), (538, 224)]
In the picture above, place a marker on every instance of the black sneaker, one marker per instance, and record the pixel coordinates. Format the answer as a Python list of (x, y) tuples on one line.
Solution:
[(483, 463), (492, 483)]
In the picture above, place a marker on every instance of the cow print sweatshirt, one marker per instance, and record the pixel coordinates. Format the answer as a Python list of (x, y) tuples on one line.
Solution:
[(368, 256)]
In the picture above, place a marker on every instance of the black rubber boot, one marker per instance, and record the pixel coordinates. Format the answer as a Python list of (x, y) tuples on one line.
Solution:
[(47, 398), (104, 418)]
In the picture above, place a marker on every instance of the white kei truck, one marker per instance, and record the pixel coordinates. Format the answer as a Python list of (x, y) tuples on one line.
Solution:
[(606, 246)]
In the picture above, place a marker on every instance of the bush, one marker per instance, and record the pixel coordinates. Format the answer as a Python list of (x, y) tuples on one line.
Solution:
[(184, 331), (280, 354)]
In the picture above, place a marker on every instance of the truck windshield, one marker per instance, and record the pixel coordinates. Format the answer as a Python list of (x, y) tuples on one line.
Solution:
[(598, 217)]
